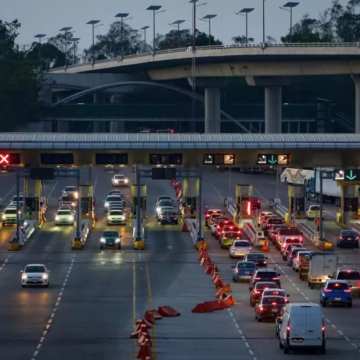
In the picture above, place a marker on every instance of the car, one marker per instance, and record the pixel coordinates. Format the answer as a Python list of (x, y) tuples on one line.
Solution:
[(313, 212), (221, 225), (287, 250), (265, 275), (228, 236), (286, 242), (70, 191), (167, 215), (21, 198), (115, 192), (215, 222), (258, 259), (35, 275), (278, 321), (164, 197), (292, 255), (8, 217), (110, 239), (66, 207), (297, 260), (68, 200), (119, 180), (116, 216), (269, 307), (210, 212), (257, 290), (276, 292), (111, 198), (211, 219), (268, 217), (243, 270), (64, 217), (289, 232), (273, 220), (163, 204), (336, 292), (272, 231), (14, 204), (114, 205), (239, 248), (351, 276), (263, 215), (348, 238)]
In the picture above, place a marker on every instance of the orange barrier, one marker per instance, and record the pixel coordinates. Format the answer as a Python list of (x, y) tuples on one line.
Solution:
[(185, 227), (209, 269), (167, 311), (156, 315), (228, 299), (265, 248), (227, 288), (145, 351)]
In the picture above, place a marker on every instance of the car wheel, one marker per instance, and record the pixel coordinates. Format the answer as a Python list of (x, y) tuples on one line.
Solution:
[(323, 348), (357, 246), (234, 280), (281, 346), (286, 349), (312, 285), (350, 304), (23, 286), (47, 285), (101, 248), (324, 304), (119, 247), (259, 319)]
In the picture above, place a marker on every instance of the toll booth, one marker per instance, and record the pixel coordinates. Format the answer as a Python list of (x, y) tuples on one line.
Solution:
[(32, 196), (244, 209), (134, 200), (86, 194), (349, 203), (297, 209), (191, 196)]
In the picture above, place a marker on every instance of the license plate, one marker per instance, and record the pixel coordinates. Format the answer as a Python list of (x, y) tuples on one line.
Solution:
[(274, 310), (349, 238), (337, 298), (297, 340), (247, 272)]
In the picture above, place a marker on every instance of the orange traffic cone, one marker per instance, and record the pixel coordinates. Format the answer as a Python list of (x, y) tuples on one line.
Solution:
[(265, 248), (185, 227)]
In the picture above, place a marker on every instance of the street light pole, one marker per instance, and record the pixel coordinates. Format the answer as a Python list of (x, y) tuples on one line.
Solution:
[(75, 40), (208, 19), (264, 22), (122, 16), (154, 9), (65, 29), (177, 24), (144, 29), (93, 22), (290, 6), (246, 11)]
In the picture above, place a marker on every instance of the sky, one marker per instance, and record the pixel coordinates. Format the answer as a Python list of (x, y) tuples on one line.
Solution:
[(48, 16)]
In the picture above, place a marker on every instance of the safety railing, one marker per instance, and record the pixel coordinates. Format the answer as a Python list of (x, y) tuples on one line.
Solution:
[(218, 47)]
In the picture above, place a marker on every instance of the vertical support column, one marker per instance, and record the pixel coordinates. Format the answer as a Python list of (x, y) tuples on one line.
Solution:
[(32, 196), (296, 195), (356, 79), (99, 126), (116, 126), (349, 203), (86, 194), (191, 194), (273, 109), (138, 202), (78, 231), (212, 110), (243, 205)]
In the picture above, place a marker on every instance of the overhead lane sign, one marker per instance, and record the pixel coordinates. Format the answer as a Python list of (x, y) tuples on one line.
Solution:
[(219, 159), (273, 159), (348, 176)]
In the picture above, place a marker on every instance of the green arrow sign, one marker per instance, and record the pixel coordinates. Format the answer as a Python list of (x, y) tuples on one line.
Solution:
[(351, 176), (272, 161)]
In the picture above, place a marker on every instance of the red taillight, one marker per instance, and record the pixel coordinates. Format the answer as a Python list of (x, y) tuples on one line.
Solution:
[(301, 238), (298, 260), (237, 271), (218, 227), (291, 256), (256, 292), (273, 303), (288, 328), (323, 328), (172, 131), (239, 232), (347, 290), (261, 308), (207, 215), (337, 285), (276, 292), (357, 238), (231, 227), (348, 271), (223, 232), (286, 300), (257, 278), (250, 248), (226, 221), (265, 262), (276, 278), (327, 290), (340, 238)]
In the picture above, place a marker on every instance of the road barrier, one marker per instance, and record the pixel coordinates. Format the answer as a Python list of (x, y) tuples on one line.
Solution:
[(25, 231), (355, 226), (282, 211), (78, 243), (139, 244)]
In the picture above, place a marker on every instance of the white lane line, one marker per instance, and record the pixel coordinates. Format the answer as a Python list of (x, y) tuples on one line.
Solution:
[(52, 189), (340, 333), (333, 326), (8, 193), (42, 338), (95, 182), (221, 197), (5, 262), (327, 320), (241, 333)]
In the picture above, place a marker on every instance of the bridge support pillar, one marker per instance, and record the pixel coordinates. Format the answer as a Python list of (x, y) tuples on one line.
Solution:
[(273, 99), (117, 126), (212, 110), (349, 203), (356, 79)]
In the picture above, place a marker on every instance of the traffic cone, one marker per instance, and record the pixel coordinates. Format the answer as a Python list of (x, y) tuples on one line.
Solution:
[(185, 227), (219, 292), (145, 351), (227, 288), (265, 248)]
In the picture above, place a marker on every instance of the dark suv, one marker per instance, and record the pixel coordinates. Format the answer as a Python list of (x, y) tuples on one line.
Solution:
[(265, 275), (257, 291)]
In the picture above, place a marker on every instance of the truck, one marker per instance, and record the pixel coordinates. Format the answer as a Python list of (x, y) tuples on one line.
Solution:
[(331, 192), (321, 268), (297, 176)]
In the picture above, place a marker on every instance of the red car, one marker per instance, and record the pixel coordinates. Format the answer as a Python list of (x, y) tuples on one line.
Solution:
[(208, 215), (221, 224)]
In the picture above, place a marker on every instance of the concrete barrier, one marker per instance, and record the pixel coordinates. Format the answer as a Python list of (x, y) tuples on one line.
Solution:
[(26, 232), (355, 226), (191, 224), (251, 232), (281, 210)]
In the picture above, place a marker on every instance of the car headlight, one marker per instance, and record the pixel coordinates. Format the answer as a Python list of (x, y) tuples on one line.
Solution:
[(56, 218), (117, 240), (106, 204), (116, 181), (158, 210), (73, 204), (76, 195), (122, 217), (108, 217), (102, 240), (24, 277), (45, 276), (4, 217), (71, 217), (126, 181)]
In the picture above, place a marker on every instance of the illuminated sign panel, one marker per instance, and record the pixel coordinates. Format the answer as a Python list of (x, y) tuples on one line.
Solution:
[(9, 159), (163, 173), (219, 159), (165, 159), (273, 159), (57, 159), (111, 159), (349, 175)]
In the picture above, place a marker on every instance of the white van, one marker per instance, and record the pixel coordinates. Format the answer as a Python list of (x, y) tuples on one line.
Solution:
[(302, 326)]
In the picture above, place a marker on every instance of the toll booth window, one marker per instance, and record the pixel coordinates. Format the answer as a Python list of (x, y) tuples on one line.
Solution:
[(57, 159), (111, 159), (351, 204), (165, 159)]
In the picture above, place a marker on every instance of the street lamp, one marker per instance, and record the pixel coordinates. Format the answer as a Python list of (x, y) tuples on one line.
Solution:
[(195, 5), (39, 37), (154, 9), (75, 40), (65, 29), (264, 22), (93, 22), (177, 24), (122, 16), (290, 5), (208, 18), (246, 11)]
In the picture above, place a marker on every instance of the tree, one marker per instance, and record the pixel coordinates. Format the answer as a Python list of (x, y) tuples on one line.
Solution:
[(19, 80), (62, 42), (121, 39), (202, 39), (240, 40), (270, 40), (48, 55)]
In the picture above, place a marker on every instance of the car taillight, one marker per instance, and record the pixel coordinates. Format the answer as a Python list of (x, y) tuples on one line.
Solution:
[(231, 227), (237, 271), (286, 300), (291, 256), (223, 232), (298, 260), (273, 303), (265, 262), (218, 227), (357, 238), (327, 290), (301, 238), (233, 248), (207, 215), (323, 328), (250, 248), (257, 278), (288, 328), (340, 238), (275, 278), (347, 290), (256, 292), (261, 308), (239, 232)]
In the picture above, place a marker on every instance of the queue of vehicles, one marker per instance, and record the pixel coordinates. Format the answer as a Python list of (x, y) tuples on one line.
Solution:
[(9, 215)]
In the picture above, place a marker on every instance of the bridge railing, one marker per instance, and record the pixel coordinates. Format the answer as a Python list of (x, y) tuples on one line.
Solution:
[(217, 47)]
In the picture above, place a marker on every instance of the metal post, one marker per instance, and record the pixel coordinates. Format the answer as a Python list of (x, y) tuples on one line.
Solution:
[(89, 175), (229, 185), (200, 208), (154, 51), (209, 32), (138, 205), (121, 38), (290, 23), (93, 42), (17, 206), (65, 47), (277, 182), (264, 22), (247, 38), (178, 35), (74, 52), (78, 206), (321, 205)]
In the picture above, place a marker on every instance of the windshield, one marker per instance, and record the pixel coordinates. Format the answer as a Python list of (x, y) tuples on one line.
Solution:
[(315, 208), (35, 269), (70, 188), (275, 221), (113, 192), (110, 234), (274, 292), (241, 243), (255, 256), (64, 212), (261, 285), (10, 211), (352, 275), (15, 198), (165, 203), (273, 300), (267, 274), (68, 198), (246, 265), (348, 233), (337, 286), (164, 198), (119, 176), (116, 212), (113, 198), (232, 234), (291, 231)]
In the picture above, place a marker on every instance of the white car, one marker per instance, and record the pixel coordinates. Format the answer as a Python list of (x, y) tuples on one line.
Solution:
[(35, 274), (9, 215), (64, 216), (164, 204), (240, 248), (21, 198), (313, 212), (70, 191), (111, 198), (119, 180), (163, 197), (116, 216)]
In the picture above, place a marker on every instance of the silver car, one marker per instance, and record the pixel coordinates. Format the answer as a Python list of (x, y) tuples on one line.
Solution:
[(34, 275), (240, 248), (116, 216)]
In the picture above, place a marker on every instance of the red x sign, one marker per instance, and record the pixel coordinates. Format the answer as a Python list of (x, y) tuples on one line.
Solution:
[(4, 159)]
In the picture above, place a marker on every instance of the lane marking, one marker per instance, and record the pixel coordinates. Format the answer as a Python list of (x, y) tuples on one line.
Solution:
[(95, 182), (53, 188), (5, 262), (8, 193), (150, 307)]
